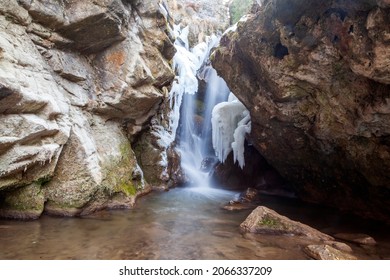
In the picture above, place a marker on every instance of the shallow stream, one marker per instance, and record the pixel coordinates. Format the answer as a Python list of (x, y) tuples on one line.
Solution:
[(184, 223)]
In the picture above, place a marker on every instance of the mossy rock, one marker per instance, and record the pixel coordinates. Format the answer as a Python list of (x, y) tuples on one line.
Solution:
[(23, 203), (122, 173)]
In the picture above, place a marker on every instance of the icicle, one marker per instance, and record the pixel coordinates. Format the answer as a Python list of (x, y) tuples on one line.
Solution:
[(230, 123), (238, 146)]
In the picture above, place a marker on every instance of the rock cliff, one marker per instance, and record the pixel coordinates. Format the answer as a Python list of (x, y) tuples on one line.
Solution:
[(316, 78), (78, 81)]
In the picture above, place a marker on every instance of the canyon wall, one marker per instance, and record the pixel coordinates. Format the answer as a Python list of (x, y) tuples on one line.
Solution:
[(316, 78), (79, 81)]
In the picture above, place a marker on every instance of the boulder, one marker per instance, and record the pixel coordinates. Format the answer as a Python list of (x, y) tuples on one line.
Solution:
[(266, 221), (358, 238), (326, 252), (315, 79)]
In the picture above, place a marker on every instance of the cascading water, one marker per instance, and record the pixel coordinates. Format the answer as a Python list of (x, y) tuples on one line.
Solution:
[(191, 111), (195, 143)]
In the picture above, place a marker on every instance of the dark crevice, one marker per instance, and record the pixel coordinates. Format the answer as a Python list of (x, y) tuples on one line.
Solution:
[(280, 51), (351, 29)]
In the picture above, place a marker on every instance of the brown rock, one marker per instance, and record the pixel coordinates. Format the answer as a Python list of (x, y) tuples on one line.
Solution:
[(237, 206), (326, 252), (250, 195), (315, 79), (358, 238), (267, 221), (339, 246)]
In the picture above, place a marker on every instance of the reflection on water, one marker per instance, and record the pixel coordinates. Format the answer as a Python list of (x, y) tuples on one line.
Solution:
[(184, 223)]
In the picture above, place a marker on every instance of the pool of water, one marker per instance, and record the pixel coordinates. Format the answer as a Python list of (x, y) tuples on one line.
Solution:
[(184, 223)]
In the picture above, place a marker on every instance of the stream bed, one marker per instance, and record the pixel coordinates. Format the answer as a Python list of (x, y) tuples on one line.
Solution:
[(183, 223)]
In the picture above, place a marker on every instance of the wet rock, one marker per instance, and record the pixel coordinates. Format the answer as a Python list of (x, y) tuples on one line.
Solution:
[(176, 173), (358, 238), (339, 246), (235, 205), (250, 195), (266, 221), (326, 252), (315, 80), (246, 201), (23, 203)]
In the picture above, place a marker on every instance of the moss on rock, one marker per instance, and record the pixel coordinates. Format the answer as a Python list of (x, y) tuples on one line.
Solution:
[(23, 203), (120, 174)]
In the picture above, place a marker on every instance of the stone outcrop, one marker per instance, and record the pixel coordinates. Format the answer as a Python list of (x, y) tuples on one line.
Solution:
[(267, 221), (315, 76), (79, 80), (326, 252)]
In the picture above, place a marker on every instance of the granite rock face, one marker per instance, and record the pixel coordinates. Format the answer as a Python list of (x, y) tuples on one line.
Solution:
[(79, 80), (315, 77)]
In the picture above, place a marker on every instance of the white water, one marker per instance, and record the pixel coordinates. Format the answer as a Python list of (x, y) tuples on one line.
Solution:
[(195, 129), (194, 141), (194, 136)]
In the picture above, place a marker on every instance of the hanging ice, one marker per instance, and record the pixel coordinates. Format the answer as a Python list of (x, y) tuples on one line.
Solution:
[(186, 63), (230, 123)]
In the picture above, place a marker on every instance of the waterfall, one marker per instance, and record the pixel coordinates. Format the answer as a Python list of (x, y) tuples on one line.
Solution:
[(195, 137), (192, 110)]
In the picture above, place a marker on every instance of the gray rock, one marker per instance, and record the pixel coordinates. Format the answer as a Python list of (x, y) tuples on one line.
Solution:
[(78, 81), (266, 221), (326, 252)]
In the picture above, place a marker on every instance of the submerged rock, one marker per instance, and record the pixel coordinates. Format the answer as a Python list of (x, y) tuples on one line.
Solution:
[(266, 221), (235, 205), (326, 252), (339, 246), (358, 238), (316, 80)]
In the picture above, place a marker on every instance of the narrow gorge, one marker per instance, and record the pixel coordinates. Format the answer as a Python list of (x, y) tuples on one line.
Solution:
[(222, 130)]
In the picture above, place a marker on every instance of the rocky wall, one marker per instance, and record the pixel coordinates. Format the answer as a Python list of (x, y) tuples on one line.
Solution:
[(316, 78), (79, 80)]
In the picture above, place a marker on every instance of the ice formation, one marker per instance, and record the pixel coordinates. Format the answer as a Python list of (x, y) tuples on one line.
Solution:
[(230, 123), (186, 62)]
